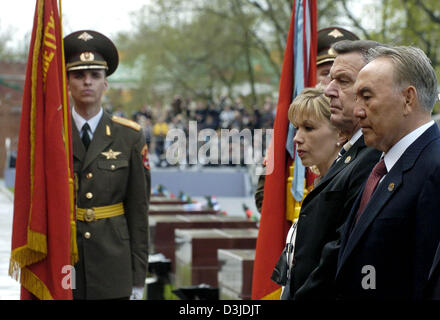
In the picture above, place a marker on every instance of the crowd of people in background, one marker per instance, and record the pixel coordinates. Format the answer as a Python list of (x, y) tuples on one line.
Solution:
[(222, 114)]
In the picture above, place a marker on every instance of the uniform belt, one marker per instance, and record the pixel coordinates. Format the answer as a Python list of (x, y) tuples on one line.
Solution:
[(96, 213)]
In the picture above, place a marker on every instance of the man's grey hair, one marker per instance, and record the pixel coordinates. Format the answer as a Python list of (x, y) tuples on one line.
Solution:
[(411, 68), (358, 46)]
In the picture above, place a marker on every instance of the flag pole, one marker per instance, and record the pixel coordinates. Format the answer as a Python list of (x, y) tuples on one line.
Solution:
[(73, 248)]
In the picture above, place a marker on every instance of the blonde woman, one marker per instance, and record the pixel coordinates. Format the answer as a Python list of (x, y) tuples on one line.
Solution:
[(317, 142)]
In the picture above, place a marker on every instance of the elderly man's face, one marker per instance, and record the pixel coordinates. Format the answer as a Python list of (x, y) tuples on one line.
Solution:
[(380, 105), (340, 91)]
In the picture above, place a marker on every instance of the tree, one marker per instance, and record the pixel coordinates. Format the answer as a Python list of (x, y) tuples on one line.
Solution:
[(401, 22), (16, 52), (208, 48), (180, 50)]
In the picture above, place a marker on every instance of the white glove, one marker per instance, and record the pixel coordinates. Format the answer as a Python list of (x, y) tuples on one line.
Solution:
[(137, 293)]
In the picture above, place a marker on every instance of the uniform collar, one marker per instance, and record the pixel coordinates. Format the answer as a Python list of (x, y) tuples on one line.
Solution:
[(80, 121)]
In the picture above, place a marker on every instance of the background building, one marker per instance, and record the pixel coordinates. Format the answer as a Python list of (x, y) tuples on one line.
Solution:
[(12, 75)]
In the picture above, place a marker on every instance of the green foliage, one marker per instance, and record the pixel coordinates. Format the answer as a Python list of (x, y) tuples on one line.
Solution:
[(13, 54), (399, 22), (207, 48)]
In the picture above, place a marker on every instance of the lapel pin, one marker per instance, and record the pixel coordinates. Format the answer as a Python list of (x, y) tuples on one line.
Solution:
[(391, 187), (107, 130), (348, 159)]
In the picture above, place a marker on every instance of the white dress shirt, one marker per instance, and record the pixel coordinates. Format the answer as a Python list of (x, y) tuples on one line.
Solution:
[(93, 122), (396, 151), (355, 138)]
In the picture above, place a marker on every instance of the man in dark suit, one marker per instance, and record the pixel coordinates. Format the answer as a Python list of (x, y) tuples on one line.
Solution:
[(324, 61), (390, 239), (326, 207), (111, 178), (432, 289)]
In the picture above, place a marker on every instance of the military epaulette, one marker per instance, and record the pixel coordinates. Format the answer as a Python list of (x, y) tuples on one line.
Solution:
[(127, 123)]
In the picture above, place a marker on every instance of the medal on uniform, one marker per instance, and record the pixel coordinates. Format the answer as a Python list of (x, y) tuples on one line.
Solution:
[(110, 154)]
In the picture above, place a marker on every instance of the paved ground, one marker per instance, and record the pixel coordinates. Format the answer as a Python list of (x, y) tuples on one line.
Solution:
[(9, 288)]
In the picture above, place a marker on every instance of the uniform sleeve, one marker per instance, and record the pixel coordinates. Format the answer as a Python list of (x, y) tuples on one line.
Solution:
[(136, 206), (259, 192), (147, 172)]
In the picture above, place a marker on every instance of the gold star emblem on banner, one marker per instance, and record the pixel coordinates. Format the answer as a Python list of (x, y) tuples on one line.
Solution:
[(110, 154)]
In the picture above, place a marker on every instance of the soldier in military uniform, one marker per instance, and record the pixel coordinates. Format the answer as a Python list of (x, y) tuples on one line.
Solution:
[(111, 178), (324, 61), (326, 56)]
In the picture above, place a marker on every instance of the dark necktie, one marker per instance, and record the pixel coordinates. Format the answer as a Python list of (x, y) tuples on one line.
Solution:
[(85, 135), (378, 172)]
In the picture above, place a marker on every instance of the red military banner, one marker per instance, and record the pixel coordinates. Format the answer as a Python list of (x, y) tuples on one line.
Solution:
[(298, 71), (43, 235)]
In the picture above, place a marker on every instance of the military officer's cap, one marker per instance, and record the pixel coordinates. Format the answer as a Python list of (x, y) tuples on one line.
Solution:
[(87, 49), (328, 36)]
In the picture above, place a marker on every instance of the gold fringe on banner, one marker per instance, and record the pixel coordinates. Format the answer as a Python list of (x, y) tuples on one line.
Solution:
[(36, 248), (35, 285), (276, 295)]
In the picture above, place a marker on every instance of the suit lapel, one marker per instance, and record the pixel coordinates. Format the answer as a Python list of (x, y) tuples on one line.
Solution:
[(337, 167), (345, 160), (386, 189), (380, 197), (100, 140), (436, 263)]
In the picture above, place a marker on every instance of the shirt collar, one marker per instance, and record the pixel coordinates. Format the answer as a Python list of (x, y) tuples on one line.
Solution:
[(355, 137), (353, 140), (80, 121), (396, 151)]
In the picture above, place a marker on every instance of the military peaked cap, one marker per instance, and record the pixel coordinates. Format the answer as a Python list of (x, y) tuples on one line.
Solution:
[(87, 49), (328, 36)]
